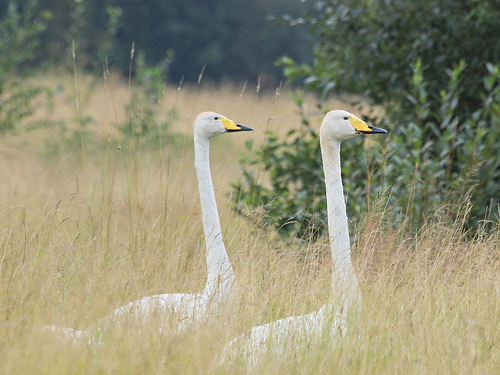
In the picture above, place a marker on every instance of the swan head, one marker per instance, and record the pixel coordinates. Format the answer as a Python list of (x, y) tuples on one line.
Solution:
[(341, 125), (211, 124)]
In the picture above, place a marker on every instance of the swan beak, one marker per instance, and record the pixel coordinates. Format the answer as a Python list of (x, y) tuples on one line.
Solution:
[(362, 127), (231, 126)]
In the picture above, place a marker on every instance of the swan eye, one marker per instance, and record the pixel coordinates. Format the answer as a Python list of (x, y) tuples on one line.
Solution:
[(346, 118), (216, 118)]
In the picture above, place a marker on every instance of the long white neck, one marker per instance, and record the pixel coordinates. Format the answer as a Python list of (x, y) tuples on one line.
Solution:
[(220, 273), (344, 282)]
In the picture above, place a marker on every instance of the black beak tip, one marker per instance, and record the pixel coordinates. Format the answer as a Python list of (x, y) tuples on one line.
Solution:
[(245, 128), (375, 130)]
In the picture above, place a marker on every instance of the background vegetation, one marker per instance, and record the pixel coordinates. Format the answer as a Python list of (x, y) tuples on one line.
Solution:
[(433, 66), (225, 39)]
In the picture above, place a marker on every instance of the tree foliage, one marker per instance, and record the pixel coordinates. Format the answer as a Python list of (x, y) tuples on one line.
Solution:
[(434, 67), (235, 39), (369, 47), (230, 39)]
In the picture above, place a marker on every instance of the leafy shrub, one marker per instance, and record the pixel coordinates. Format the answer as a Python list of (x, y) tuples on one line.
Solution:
[(433, 66), (295, 202), (448, 159), (368, 48), (421, 175)]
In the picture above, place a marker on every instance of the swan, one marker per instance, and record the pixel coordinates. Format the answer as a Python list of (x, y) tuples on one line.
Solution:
[(282, 336), (181, 311)]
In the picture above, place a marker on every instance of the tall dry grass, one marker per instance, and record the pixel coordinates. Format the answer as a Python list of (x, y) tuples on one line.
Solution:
[(79, 240)]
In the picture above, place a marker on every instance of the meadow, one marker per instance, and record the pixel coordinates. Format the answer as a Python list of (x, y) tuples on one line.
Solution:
[(91, 219)]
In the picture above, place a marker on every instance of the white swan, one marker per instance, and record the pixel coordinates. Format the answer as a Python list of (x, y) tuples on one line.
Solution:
[(180, 311), (288, 334)]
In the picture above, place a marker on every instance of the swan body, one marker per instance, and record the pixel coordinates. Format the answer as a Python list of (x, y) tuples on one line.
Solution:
[(285, 335), (182, 311)]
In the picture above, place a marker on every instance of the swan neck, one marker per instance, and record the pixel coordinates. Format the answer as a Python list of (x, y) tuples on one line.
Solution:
[(344, 282), (220, 272)]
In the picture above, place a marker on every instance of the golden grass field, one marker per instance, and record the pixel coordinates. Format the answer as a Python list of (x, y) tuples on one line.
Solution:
[(84, 232)]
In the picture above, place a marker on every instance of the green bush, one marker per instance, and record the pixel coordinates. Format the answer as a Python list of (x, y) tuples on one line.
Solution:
[(433, 66), (368, 48), (295, 202), (437, 159), (422, 177)]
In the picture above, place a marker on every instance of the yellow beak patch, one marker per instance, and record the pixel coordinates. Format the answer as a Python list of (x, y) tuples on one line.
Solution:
[(359, 125), (229, 125)]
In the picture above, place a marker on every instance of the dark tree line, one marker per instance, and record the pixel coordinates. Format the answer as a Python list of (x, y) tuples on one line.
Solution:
[(231, 39)]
